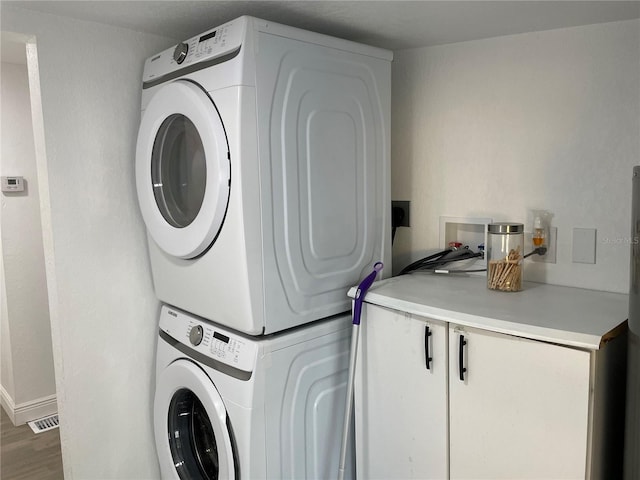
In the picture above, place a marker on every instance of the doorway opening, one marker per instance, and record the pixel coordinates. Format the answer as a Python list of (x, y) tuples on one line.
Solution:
[(27, 376)]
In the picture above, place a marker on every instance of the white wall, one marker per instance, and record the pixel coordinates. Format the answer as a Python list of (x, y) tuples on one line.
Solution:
[(497, 127), (29, 390), (103, 310), (6, 364)]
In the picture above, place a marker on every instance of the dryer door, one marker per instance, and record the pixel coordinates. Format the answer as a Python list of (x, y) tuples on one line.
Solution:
[(182, 169), (193, 435)]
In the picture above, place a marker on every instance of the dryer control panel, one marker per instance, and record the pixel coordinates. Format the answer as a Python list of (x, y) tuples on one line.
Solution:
[(209, 340), (209, 46)]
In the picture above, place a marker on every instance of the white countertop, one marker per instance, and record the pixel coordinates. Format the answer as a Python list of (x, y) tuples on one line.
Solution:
[(568, 316)]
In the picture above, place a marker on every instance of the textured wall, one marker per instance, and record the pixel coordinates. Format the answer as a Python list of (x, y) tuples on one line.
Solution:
[(27, 323), (6, 363), (497, 127), (103, 310)]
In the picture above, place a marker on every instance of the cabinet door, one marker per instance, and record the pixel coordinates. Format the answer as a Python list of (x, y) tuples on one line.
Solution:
[(521, 409), (400, 404)]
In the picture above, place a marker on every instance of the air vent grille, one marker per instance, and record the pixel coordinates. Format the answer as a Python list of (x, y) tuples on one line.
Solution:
[(44, 424)]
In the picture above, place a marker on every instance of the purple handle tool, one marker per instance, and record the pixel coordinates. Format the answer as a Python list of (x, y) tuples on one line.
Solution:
[(362, 291)]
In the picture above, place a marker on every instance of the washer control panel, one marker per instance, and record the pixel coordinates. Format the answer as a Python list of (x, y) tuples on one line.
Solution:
[(208, 339), (212, 44)]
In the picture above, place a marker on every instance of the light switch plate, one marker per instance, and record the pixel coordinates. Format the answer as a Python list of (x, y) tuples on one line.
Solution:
[(584, 245)]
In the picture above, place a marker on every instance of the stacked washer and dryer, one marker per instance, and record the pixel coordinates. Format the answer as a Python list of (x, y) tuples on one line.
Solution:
[(262, 169)]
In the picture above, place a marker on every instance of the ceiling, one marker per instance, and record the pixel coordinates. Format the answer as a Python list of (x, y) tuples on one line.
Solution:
[(389, 24)]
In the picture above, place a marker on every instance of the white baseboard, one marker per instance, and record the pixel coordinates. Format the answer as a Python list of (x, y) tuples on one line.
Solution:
[(27, 411), (7, 404)]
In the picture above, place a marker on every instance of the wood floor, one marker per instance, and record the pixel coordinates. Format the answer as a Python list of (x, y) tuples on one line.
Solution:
[(25, 455)]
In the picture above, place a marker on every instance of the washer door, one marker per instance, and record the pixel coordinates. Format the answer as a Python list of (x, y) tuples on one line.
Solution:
[(182, 169), (193, 438)]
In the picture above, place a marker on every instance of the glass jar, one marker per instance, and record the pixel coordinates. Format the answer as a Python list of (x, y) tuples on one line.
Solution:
[(505, 255)]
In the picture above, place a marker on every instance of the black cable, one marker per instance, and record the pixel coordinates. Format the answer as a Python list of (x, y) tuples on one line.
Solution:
[(397, 217), (418, 263), (539, 251), (433, 262), (445, 261), (437, 260), (461, 271)]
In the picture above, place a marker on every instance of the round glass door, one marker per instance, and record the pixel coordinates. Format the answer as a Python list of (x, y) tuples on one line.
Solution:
[(183, 169), (178, 171), (193, 438)]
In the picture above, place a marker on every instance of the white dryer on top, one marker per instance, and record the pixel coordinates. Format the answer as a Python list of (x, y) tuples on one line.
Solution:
[(262, 169)]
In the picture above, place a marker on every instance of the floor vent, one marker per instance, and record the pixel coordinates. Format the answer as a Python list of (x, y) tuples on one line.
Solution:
[(44, 424)]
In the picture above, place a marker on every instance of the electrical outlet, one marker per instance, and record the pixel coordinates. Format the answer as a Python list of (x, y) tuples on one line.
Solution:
[(400, 212)]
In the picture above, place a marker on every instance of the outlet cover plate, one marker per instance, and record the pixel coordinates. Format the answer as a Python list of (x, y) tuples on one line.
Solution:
[(406, 206), (584, 245)]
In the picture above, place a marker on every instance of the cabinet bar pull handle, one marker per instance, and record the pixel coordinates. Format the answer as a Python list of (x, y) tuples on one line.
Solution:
[(461, 357), (428, 359)]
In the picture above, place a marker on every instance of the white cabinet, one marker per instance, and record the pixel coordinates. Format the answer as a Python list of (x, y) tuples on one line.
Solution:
[(521, 410), (402, 424), (494, 401)]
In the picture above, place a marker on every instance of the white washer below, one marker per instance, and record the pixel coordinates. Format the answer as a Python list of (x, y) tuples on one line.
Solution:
[(231, 406)]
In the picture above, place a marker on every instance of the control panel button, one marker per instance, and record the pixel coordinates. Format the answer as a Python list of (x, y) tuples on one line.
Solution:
[(180, 53), (195, 335)]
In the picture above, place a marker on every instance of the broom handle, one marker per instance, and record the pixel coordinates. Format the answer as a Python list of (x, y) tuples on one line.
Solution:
[(349, 404), (357, 310)]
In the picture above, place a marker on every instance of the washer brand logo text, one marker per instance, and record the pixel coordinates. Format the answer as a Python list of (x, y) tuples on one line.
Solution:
[(173, 314)]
